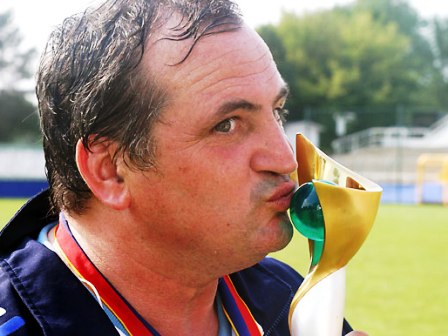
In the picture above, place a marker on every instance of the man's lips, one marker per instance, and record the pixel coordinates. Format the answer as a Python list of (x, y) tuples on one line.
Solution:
[(281, 198)]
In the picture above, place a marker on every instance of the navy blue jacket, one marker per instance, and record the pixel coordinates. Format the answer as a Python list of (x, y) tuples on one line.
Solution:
[(39, 295)]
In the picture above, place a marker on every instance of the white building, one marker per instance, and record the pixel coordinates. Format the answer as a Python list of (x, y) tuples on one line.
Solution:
[(21, 162), (309, 129)]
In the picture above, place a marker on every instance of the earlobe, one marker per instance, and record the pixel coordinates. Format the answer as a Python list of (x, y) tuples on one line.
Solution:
[(99, 169)]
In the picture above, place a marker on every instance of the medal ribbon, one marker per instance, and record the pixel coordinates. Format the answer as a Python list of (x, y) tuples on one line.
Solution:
[(81, 265), (236, 310)]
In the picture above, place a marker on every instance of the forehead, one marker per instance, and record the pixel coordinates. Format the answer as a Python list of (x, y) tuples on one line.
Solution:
[(237, 59)]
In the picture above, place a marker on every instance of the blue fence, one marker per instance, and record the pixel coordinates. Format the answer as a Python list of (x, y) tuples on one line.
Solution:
[(406, 194), (21, 188)]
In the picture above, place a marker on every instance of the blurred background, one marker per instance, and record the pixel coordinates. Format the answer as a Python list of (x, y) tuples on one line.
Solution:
[(369, 86)]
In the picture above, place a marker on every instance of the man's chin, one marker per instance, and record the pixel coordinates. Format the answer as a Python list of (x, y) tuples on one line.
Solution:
[(285, 233)]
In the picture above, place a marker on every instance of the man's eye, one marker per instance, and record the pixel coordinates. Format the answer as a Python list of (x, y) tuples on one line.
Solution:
[(226, 126), (280, 115)]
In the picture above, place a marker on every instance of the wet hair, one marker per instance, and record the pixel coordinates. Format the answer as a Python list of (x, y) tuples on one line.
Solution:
[(90, 87)]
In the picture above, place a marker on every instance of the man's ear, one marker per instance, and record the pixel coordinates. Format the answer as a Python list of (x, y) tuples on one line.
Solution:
[(99, 170)]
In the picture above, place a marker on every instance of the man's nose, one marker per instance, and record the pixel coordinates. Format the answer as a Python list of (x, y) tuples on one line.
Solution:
[(274, 152)]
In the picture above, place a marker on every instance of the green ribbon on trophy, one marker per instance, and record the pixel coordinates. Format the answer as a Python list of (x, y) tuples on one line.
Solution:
[(335, 209)]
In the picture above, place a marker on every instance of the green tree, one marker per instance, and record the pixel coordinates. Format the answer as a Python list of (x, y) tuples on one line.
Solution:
[(370, 57), (439, 85), (18, 115), (339, 59), (420, 58), (19, 118)]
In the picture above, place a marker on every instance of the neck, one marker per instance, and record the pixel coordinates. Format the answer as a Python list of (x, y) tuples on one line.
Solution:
[(162, 292)]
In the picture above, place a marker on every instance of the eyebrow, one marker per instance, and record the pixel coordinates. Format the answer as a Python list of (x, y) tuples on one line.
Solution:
[(243, 104), (283, 93)]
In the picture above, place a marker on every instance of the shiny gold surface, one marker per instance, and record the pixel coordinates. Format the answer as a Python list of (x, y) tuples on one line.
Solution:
[(349, 209)]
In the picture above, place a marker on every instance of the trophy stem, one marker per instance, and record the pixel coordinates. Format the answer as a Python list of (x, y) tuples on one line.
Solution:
[(321, 311)]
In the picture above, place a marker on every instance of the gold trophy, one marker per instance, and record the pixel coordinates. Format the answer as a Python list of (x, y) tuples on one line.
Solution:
[(335, 209)]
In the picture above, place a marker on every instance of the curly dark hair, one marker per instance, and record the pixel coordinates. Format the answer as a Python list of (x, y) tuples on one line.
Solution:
[(89, 85)]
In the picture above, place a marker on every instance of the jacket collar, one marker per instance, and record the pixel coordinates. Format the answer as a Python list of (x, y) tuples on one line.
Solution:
[(28, 221)]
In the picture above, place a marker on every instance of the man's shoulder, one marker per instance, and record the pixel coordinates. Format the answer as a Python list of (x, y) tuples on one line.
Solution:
[(14, 316), (17, 307), (271, 270), (45, 297), (281, 270)]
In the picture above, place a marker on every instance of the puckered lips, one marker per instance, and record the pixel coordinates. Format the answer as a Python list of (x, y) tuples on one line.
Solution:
[(280, 198)]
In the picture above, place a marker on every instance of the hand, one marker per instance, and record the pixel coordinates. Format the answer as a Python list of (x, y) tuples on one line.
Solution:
[(357, 333)]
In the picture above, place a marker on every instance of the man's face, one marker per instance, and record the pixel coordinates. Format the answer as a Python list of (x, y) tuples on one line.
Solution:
[(220, 190)]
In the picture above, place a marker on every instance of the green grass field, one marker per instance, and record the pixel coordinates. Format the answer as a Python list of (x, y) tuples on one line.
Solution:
[(397, 284), (8, 207)]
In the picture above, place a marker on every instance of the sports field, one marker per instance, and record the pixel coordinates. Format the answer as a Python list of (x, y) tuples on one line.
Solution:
[(397, 284), (8, 207)]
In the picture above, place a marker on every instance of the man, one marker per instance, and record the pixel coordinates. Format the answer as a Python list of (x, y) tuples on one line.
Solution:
[(169, 180)]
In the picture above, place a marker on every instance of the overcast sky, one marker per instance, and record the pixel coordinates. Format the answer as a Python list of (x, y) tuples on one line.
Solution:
[(36, 19)]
